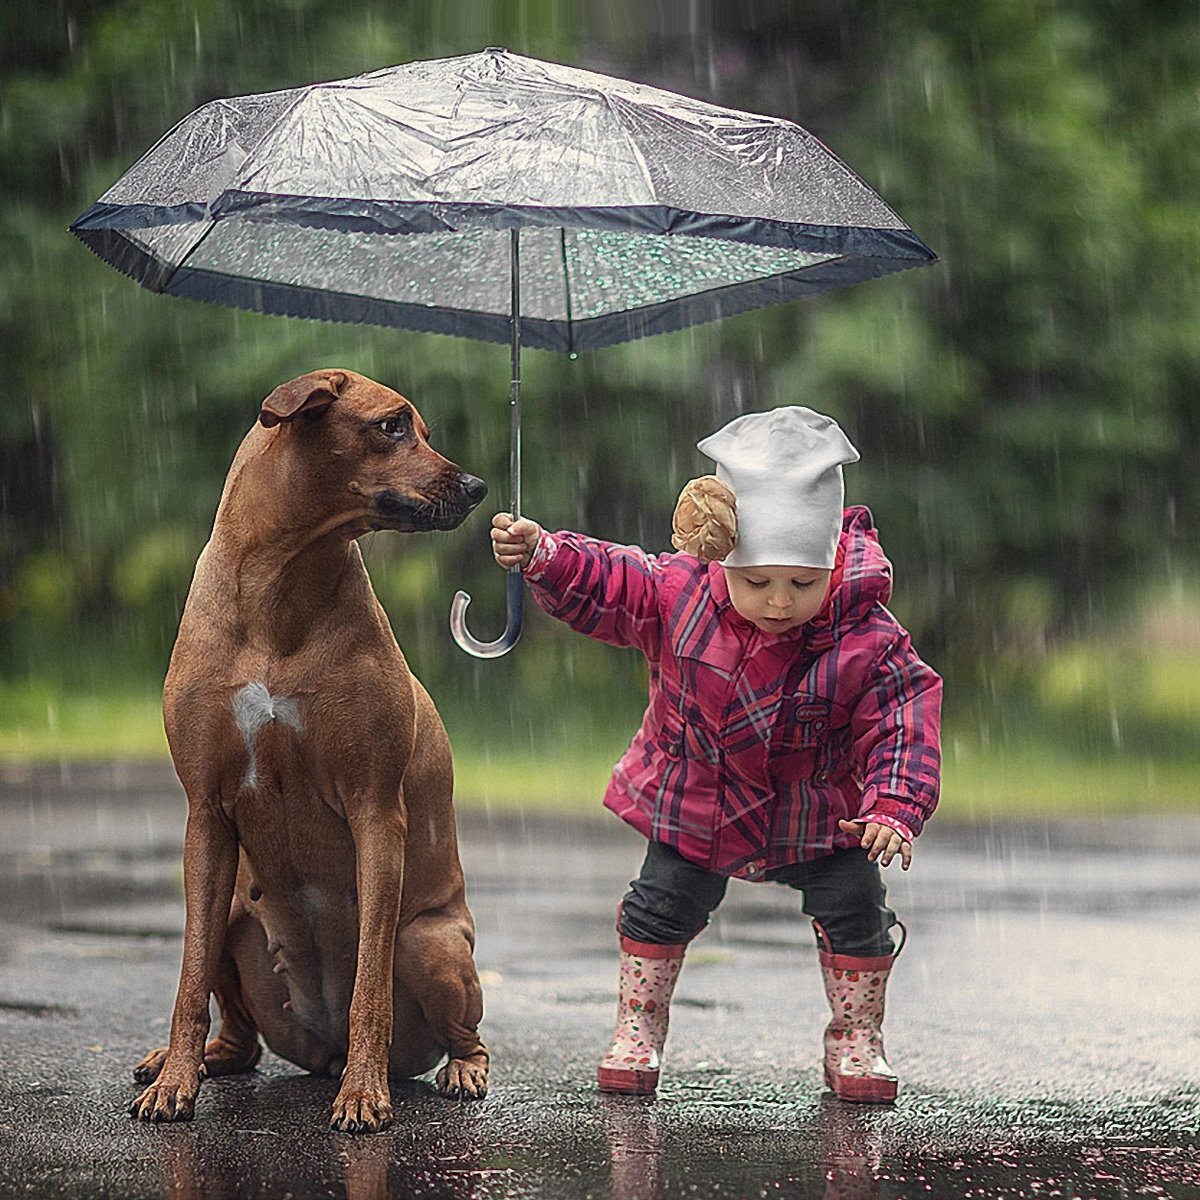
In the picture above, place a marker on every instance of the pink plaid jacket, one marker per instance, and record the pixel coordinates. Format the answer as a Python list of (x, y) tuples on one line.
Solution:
[(754, 745)]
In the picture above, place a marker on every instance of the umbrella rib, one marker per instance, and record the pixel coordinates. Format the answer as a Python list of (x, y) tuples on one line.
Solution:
[(191, 250), (562, 249), (613, 104), (297, 100)]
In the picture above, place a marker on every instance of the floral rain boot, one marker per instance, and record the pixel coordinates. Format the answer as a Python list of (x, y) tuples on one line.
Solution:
[(855, 1066), (648, 975)]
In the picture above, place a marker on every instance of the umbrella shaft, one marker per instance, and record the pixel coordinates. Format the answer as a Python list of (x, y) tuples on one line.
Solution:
[(514, 392)]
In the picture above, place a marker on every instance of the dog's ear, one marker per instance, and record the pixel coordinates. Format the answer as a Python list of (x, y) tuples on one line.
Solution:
[(306, 394)]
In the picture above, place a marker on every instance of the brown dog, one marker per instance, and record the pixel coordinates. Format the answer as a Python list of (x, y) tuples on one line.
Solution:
[(325, 904)]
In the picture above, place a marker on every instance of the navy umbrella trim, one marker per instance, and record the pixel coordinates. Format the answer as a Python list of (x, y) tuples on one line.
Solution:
[(592, 333), (390, 217)]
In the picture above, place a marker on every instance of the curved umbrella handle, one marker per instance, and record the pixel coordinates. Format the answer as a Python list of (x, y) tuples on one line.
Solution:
[(512, 628), (516, 586)]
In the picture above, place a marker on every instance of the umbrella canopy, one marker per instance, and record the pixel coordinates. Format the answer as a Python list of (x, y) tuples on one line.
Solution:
[(291, 202), (496, 197)]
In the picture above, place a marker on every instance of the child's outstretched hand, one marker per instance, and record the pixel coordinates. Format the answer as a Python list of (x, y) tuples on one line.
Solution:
[(513, 542), (881, 843)]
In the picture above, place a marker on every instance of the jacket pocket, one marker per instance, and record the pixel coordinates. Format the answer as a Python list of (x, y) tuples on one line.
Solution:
[(680, 738), (800, 747), (670, 732), (805, 723)]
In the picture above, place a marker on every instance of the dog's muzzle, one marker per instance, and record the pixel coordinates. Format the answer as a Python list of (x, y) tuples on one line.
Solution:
[(423, 514)]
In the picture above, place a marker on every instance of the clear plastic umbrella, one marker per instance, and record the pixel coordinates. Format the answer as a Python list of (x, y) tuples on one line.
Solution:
[(497, 197)]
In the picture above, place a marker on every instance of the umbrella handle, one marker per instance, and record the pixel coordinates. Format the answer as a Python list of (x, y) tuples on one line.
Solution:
[(516, 588), (512, 628)]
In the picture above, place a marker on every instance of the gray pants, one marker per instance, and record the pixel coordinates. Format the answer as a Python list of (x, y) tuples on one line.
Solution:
[(672, 899)]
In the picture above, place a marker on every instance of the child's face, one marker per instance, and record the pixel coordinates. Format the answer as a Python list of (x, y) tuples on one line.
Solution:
[(777, 599)]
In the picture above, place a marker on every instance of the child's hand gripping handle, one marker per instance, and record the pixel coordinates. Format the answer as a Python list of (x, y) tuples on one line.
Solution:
[(512, 551), (513, 542)]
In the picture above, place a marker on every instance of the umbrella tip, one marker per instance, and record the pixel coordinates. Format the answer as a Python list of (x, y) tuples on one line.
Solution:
[(496, 50)]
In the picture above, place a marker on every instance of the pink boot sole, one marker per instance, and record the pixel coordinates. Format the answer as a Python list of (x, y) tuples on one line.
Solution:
[(863, 1089), (627, 1082)]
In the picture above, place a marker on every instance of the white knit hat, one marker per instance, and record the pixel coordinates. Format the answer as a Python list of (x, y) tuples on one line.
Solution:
[(785, 467)]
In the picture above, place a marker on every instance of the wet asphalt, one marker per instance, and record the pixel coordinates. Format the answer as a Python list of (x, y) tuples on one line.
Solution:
[(1044, 1018)]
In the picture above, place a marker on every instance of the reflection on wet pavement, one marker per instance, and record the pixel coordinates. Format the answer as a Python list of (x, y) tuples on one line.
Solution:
[(1044, 1019)]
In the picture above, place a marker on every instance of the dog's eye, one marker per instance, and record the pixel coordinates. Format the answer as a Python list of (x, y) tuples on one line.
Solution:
[(394, 427)]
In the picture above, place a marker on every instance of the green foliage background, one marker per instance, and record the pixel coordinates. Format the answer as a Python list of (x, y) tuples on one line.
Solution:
[(1026, 409)]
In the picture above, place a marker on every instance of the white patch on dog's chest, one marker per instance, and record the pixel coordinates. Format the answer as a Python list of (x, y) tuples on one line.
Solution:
[(254, 707)]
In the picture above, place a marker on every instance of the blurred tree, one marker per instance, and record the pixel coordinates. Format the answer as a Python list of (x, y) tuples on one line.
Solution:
[(1025, 409)]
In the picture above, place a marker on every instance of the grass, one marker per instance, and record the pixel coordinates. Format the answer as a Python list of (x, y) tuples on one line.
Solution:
[(41, 723), (1030, 775), (1039, 779)]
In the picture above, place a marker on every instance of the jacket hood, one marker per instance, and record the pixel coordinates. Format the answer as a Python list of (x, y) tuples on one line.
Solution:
[(862, 578)]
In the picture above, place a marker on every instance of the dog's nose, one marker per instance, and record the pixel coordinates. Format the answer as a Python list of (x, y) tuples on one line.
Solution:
[(474, 488)]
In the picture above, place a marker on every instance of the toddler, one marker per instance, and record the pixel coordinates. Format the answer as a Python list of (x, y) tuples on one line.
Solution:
[(791, 736)]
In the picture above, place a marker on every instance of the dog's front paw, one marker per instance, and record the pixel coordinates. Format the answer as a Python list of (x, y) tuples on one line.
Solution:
[(463, 1079), (172, 1097), (147, 1071), (362, 1109)]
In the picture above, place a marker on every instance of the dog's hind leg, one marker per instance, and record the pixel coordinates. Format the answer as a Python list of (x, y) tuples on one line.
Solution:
[(434, 963), (236, 1047)]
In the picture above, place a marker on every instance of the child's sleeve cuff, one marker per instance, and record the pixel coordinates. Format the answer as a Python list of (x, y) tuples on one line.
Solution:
[(543, 553), (891, 822)]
